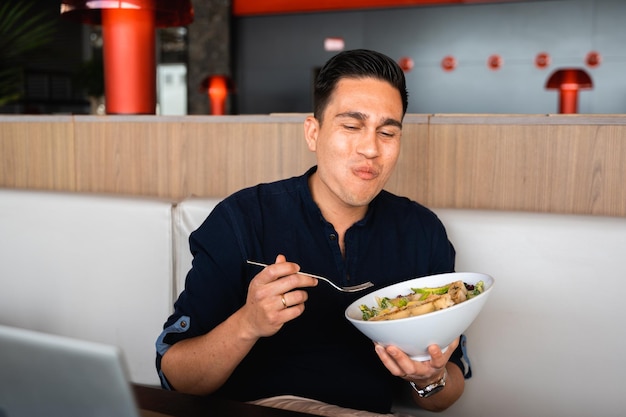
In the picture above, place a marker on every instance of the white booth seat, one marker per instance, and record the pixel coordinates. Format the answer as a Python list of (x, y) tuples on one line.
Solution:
[(549, 341), (86, 266)]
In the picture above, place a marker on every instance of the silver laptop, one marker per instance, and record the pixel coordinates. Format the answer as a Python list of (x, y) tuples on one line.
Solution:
[(47, 375)]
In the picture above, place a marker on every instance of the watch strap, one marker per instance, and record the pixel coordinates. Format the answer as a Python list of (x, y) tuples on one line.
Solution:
[(431, 389)]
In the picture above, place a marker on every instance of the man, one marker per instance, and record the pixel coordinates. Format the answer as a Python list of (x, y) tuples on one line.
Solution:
[(260, 334)]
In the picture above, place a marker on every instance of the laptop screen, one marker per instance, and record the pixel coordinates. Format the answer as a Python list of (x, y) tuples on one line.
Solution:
[(48, 375)]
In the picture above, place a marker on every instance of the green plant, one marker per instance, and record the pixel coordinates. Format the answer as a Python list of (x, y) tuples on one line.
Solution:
[(24, 29)]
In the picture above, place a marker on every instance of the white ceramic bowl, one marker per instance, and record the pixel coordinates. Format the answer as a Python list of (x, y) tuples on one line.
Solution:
[(413, 335)]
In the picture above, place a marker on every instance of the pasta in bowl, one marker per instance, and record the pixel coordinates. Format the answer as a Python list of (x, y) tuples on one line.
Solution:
[(411, 316)]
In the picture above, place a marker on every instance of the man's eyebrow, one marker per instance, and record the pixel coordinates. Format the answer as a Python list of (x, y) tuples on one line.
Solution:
[(392, 122), (353, 115), (362, 116)]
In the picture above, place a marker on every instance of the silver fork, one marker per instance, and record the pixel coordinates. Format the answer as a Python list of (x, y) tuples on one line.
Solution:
[(353, 288)]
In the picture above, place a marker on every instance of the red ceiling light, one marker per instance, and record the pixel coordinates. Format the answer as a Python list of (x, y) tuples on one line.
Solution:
[(542, 60), (448, 63), (495, 62), (406, 63), (593, 59), (569, 81), (128, 31)]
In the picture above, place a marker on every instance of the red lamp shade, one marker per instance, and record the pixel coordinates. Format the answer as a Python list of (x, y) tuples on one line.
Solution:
[(217, 87), (406, 63), (448, 63), (542, 60), (128, 30), (167, 12), (569, 81)]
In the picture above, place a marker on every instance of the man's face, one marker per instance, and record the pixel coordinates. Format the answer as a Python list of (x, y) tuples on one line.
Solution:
[(358, 143)]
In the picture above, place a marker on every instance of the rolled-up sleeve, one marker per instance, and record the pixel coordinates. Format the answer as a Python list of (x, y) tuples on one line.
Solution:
[(179, 326)]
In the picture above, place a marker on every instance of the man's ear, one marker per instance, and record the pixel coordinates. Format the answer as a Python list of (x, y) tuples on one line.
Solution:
[(311, 130)]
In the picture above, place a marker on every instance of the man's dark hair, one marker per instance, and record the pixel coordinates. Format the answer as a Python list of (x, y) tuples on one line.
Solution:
[(357, 63)]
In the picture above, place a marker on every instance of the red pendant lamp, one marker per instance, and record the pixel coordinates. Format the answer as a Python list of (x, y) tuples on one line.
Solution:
[(217, 87), (569, 81)]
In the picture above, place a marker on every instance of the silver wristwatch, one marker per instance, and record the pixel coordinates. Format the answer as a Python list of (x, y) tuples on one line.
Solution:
[(430, 389)]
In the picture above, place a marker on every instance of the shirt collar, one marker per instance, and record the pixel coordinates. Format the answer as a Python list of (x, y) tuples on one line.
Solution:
[(312, 206)]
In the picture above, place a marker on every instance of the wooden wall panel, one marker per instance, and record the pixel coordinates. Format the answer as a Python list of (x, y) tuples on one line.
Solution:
[(531, 164), (175, 157), (37, 152), (127, 155), (545, 163), (221, 158)]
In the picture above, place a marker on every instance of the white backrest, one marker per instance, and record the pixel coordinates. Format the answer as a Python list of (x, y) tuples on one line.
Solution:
[(187, 216), (550, 340), (92, 267)]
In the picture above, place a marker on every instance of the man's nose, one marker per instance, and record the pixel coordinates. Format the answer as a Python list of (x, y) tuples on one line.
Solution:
[(368, 144)]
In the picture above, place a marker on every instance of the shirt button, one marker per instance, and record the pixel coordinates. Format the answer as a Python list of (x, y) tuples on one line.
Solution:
[(183, 324), (332, 236)]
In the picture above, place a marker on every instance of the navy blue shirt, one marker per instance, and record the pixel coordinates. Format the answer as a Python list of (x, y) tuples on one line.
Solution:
[(320, 354)]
